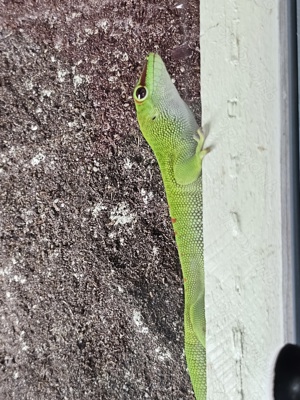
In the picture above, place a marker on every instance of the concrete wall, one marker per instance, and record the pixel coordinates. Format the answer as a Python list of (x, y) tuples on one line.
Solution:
[(241, 90)]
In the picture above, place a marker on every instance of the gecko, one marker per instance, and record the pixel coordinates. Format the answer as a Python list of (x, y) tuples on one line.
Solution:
[(177, 141)]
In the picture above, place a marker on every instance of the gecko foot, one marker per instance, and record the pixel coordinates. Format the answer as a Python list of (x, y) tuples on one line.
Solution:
[(200, 138)]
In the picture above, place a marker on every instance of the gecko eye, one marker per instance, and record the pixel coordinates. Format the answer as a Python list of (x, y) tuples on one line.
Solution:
[(141, 93)]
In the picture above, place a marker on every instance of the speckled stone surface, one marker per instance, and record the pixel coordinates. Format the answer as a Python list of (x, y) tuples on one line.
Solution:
[(91, 298)]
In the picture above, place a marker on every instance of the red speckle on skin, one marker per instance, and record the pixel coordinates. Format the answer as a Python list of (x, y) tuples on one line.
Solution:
[(173, 220)]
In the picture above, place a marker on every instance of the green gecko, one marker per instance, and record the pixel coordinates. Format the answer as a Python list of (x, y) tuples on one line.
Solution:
[(172, 132)]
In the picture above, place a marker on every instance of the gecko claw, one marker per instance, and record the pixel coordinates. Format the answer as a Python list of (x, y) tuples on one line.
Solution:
[(200, 139)]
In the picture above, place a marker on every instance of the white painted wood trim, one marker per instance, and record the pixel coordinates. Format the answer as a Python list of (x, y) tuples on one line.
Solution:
[(243, 99)]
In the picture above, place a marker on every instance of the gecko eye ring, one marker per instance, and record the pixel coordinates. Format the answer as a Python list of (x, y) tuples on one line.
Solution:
[(141, 93)]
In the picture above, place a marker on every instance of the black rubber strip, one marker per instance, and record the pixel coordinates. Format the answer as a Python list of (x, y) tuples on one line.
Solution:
[(294, 65)]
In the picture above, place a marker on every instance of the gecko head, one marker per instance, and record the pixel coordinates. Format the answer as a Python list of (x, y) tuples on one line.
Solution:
[(165, 120), (156, 100)]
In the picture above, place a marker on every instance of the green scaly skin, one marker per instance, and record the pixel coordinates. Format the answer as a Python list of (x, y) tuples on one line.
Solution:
[(172, 132)]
